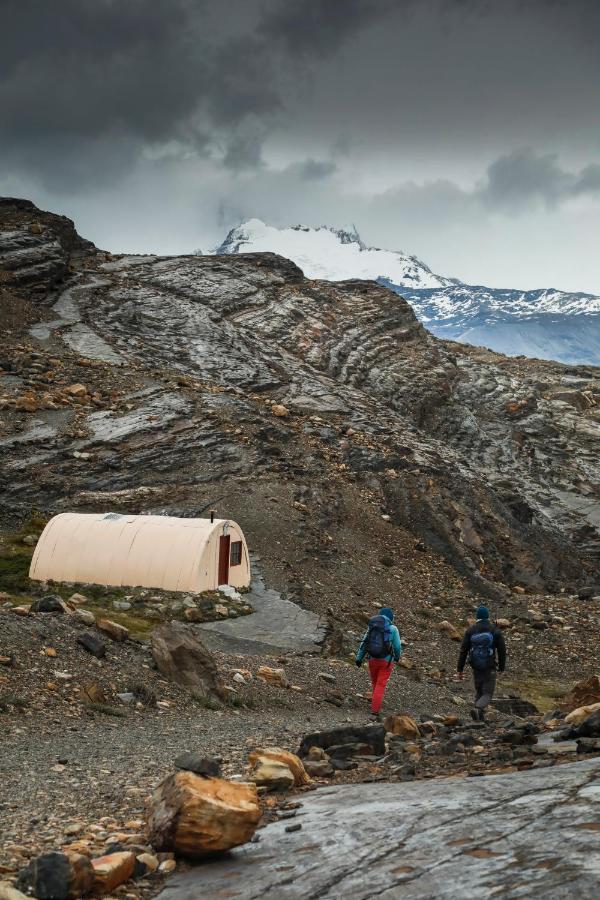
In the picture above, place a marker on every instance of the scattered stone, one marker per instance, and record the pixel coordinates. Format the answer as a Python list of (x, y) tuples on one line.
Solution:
[(297, 826), (271, 774), (21, 610), (127, 698), (112, 870), (92, 644), (148, 861), (198, 763), (318, 768), (285, 758), (57, 876), (579, 715), (449, 629), (371, 735), (402, 726), (78, 599), (167, 866), (48, 605), (279, 410), (194, 816), (85, 616), (326, 676), (76, 390), (238, 678), (273, 676), (115, 631)]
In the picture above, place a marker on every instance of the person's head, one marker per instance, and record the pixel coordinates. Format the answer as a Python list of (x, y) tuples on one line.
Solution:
[(482, 612), (387, 612)]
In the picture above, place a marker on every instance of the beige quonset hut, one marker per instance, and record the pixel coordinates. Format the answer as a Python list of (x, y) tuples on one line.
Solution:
[(146, 551)]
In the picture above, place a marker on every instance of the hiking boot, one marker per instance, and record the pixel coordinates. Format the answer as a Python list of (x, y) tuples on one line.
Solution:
[(375, 717), (481, 715), (476, 714)]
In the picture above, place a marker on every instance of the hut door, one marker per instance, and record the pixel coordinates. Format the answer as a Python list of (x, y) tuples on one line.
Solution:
[(224, 542)]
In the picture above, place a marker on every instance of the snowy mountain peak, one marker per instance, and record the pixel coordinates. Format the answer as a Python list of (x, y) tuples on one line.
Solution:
[(331, 254)]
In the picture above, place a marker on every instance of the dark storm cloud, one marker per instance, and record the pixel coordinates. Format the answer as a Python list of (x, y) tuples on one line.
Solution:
[(525, 177)]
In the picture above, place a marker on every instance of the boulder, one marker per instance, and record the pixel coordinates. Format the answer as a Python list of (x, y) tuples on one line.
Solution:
[(112, 870), (371, 735), (115, 631), (182, 658), (92, 644), (273, 676), (293, 763), (48, 605), (589, 728), (194, 816), (402, 726), (579, 715), (585, 693), (57, 876)]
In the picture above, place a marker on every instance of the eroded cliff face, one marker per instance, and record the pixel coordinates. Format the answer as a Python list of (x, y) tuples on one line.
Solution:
[(491, 462)]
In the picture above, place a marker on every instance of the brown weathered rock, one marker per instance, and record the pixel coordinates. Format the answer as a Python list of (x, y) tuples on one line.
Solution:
[(271, 774), (293, 762), (112, 870), (279, 410), (60, 875), (149, 861), (585, 693), (112, 629), (402, 726), (182, 658), (76, 390), (273, 676), (194, 816), (319, 768), (85, 616), (449, 629), (93, 692), (581, 713)]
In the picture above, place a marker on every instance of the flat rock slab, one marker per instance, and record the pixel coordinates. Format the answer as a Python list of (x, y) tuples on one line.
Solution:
[(520, 835), (276, 624)]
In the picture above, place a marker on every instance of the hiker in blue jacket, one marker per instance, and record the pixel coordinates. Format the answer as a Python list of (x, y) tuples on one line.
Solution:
[(382, 645)]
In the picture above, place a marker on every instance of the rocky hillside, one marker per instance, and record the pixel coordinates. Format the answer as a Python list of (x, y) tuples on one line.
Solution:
[(322, 415)]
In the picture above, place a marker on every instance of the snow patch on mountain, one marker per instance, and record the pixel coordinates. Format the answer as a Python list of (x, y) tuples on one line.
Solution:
[(331, 254)]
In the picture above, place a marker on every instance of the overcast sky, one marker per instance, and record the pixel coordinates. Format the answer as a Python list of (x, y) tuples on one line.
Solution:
[(464, 131)]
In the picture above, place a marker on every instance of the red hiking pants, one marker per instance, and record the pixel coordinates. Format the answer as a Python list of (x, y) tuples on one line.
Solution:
[(380, 671)]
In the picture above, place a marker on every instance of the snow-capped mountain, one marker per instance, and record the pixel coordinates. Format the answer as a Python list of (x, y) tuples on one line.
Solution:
[(545, 323)]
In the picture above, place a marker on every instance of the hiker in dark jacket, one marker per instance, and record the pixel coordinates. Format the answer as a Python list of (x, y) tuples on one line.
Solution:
[(483, 644), (381, 644)]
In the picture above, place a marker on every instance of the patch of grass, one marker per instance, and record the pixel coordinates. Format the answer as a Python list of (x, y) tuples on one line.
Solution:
[(204, 701), (544, 693), (14, 570)]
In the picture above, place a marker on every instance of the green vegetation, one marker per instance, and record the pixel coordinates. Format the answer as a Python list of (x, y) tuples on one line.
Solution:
[(544, 693)]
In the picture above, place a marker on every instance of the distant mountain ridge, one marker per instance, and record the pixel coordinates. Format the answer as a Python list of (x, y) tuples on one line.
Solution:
[(543, 323)]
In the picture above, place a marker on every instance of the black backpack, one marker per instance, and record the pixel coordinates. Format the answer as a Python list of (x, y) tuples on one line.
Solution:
[(379, 637)]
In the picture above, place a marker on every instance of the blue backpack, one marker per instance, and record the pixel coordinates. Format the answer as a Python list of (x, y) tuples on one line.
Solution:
[(482, 650), (379, 637)]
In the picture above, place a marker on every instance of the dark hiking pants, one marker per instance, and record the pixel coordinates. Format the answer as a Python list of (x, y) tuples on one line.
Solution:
[(485, 684)]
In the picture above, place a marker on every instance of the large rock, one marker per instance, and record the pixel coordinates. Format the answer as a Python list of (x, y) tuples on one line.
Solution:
[(182, 658), (589, 728), (585, 693), (194, 816), (112, 870), (58, 876), (373, 736), (271, 774)]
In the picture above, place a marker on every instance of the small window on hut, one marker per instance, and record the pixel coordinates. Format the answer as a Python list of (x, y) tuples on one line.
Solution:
[(235, 557)]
